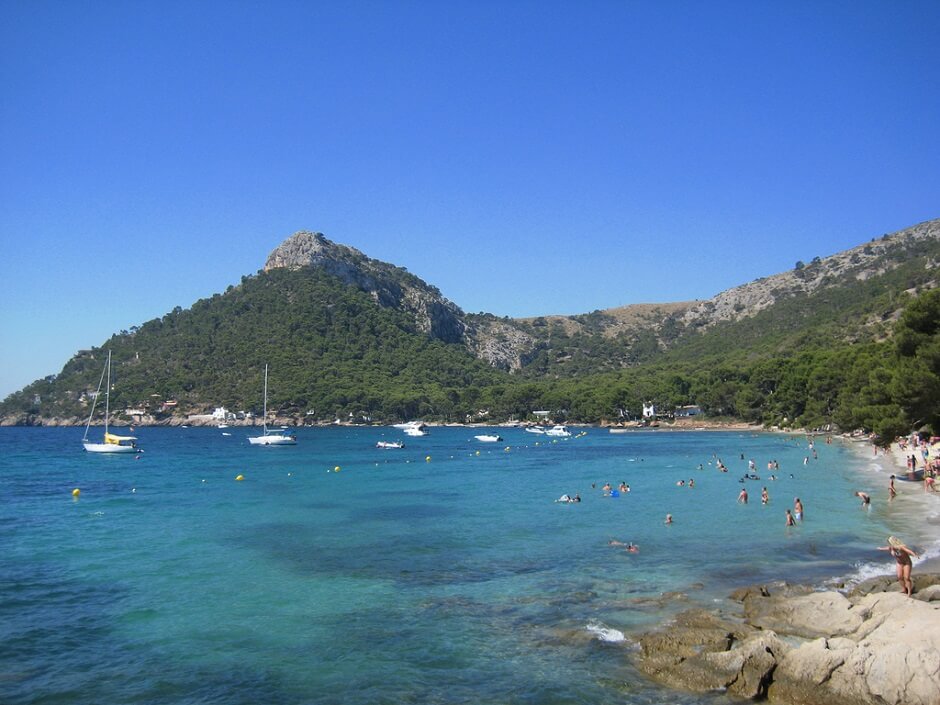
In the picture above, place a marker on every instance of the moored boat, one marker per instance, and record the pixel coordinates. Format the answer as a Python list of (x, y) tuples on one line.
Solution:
[(271, 438), (111, 443)]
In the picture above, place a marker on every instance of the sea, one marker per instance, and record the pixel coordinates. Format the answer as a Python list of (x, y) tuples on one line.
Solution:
[(207, 570)]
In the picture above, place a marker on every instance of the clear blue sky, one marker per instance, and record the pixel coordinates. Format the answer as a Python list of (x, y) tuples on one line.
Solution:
[(524, 157)]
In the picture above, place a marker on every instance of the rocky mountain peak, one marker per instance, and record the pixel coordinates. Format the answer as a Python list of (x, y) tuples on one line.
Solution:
[(390, 286), (310, 249)]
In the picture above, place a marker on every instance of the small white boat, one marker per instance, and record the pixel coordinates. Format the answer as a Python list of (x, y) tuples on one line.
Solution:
[(271, 438), (488, 438), (535, 429), (412, 428), (389, 444), (111, 443), (558, 432)]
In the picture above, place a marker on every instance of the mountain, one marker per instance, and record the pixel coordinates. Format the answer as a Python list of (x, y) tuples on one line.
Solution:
[(348, 336)]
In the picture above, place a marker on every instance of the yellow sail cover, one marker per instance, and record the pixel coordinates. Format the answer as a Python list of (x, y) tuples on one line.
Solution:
[(117, 440)]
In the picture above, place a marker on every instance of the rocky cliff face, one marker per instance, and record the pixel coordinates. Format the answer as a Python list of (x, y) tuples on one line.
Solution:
[(861, 263), (390, 286), (510, 344)]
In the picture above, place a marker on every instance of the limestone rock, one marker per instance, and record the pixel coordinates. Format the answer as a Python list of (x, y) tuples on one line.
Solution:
[(814, 615)]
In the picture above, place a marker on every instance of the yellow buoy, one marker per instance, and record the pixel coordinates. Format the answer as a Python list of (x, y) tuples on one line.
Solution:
[(478, 452), (336, 469), (427, 459), (76, 492), (239, 478)]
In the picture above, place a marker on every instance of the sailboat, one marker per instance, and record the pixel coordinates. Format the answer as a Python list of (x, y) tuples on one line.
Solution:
[(271, 438), (110, 443)]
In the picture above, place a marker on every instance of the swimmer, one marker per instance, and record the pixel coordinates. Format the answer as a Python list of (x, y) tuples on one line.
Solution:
[(691, 482), (680, 483), (742, 498), (866, 499), (623, 486), (631, 547), (764, 496), (668, 519)]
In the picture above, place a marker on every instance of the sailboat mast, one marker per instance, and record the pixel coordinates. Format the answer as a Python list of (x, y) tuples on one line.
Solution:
[(107, 397), (265, 399)]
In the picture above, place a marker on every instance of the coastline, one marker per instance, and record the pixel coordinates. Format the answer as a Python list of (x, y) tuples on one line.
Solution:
[(846, 641)]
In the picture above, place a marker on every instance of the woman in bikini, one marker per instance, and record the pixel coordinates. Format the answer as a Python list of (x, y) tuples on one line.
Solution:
[(902, 555)]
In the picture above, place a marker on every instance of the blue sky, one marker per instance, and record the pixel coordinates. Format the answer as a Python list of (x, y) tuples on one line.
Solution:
[(524, 157)]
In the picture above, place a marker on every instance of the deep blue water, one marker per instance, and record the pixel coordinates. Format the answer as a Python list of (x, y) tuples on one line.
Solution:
[(444, 572)]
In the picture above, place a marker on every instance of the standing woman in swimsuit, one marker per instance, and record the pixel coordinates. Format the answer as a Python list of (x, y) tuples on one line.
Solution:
[(902, 555)]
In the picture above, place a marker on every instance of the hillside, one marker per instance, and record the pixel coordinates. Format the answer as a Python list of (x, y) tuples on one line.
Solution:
[(351, 337)]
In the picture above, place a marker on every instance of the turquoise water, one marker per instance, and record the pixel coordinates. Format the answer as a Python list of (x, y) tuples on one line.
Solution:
[(444, 572)]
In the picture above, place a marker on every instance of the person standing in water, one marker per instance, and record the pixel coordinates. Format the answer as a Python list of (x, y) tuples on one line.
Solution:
[(742, 498), (902, 556), (797, 509), (790, 521), (892, 493)]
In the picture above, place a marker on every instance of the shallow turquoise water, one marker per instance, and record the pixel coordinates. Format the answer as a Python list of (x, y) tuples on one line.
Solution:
[(397, 579)]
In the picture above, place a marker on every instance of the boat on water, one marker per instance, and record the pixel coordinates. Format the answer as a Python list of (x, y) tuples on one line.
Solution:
[(558, 432), (111, 443), (489, 438), (275, 437), (389, 444), (412, 428), (538, 430)]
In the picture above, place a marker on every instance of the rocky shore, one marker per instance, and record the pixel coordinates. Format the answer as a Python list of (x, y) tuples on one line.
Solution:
[(795, 645)]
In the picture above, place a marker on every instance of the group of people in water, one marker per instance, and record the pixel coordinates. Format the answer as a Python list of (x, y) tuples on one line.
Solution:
[(902, 554)]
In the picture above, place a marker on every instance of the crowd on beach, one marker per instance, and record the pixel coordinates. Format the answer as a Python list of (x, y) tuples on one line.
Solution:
[(919, 460)]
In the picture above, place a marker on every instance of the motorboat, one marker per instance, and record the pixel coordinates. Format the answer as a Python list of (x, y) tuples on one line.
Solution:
[(489, 438), (111, 443), (558, 432), (538, 430), (271, 438), (413, 428), (389, 444)]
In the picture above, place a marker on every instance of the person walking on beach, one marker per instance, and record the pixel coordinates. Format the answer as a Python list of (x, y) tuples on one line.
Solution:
[(797, 509), (902, 556)]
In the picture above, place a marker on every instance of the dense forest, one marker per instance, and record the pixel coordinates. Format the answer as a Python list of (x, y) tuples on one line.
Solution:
[(863, 353)]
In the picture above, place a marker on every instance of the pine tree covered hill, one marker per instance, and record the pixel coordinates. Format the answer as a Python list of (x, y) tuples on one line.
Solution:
[(350, 337)]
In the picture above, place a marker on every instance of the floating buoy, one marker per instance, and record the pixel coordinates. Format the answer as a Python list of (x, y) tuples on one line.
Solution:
[(239, 478), (336, 469), (133, 489), (290, 474), (506, 449), (427, 459), (76, 492), (478, 452)]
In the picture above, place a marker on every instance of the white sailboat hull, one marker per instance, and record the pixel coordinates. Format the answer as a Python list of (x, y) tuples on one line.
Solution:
[(107, 448), (274, 439)]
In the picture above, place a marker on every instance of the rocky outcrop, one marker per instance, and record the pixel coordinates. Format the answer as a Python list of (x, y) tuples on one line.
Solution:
[(862, 262), (797, 648), (390, 286)]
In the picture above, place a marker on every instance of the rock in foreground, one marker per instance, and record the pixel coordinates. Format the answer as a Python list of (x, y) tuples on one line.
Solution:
[(805, 648)]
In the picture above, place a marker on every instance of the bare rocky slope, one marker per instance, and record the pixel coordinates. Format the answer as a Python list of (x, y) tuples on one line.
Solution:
[(511, 344)]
